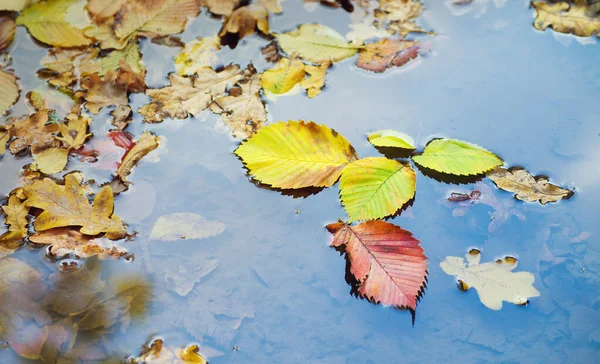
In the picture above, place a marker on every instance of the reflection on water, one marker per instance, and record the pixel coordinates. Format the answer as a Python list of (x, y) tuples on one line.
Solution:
[(270, 286)]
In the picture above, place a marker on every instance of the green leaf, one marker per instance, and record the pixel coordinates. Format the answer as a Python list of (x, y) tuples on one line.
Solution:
[(457, 157), (391, 138), (373, 188), (316, 43)]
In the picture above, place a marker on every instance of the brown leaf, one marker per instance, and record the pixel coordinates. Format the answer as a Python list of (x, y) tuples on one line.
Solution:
[(243, 21), (111, 89), (221, 7), (271, 52), (67, 240), (16, 219), (121, 116), (386, 53), (32, 131), (7, 31), (147, 143), (527, 187), (9, 90), (154, 352), (64, 67)]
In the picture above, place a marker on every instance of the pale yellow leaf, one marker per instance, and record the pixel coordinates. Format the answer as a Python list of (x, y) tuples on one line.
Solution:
[(196, 55), (50, 161)]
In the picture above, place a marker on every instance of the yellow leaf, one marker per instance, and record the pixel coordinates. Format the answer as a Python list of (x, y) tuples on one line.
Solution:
[(32, 131), (147, 143), (579, 18), (526, 187), (296, 154), (64, 67), (75, 132), (196, 55), (7, 31), (68, 206), (16, 215), (283, 77), (315, 83), (104, 34), (9, 91), (373, 188), (184, 225), (130, 55), (221, 7), (110, 90), (58, 22), (16, 5), (103, 9), (50, 161), (156, 353), (391, 139), (244, 20)]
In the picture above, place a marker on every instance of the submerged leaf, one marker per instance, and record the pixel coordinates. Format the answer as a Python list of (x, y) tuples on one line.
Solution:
[(147, 143), (577, 18), (388, 263), (50, 161), (196, 55), (494, 281), (32, 131), (386, 53), (9, 90), (296, 154), (283, 77), (526, 187), (7, 31), (391, 139), (373, 188), (183, 225), (316, 81), (316, 43)]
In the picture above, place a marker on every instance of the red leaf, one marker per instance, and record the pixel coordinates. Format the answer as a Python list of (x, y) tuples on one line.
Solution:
[(387, 261), (121, 139)]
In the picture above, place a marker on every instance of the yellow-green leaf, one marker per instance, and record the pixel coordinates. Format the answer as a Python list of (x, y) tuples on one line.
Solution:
[(296, 154), (316, 81), (373, 188), (457, 157), (579, 18), (58, 22), (9, 90), (391, 138), (316, 43), (196, 55), (130, 55), (50, 161), (283, 77)]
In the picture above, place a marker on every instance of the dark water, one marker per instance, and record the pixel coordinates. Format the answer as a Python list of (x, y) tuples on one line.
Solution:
[(278, 292)]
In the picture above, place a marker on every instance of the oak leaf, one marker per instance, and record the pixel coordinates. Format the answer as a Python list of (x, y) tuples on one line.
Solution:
[(527, 187), (296, 154), (68, 206), (221, 7), (388, 263), (7, 31), (577, 18), (391, 139), (110, 90), (147, 143), (50, 161), (32, 131), (243, 21), (283, 77), (64, 67), (16, 219), (74, 132), (68, 240), (386, 53), (196, 55), (316, 81), (188, 95), (9, 90), (494, 281)]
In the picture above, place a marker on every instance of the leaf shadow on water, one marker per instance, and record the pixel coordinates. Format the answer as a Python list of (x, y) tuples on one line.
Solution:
[(450, 178), (395, 153), (294, 193)]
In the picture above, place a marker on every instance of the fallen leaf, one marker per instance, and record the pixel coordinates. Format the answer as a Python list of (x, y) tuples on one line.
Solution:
[(169, 41), (68, 206), (67, 240), (16, 220), (388, 263), (398, 16), (59, 22), (16, 5), (386, 53), (316, 81), (344, 4), (111, 90), (373, 188), (61, 338), (75, 131), (364, 31), (147, 143), (156, 353), (71, 293), (32, 131), (9, 90), (105, 36), (4, 138), (50, 161), (283, 77), (64, 67), (578, 18), (271, 52), (7, 31), (121, 116), (273, 6), (316, 43), (527, 187), (391, 139), (296, 154), (243, 21), (221, 7), (188, 226), (130, 55), (456, 157), (460, 197), (103, 9), (494, 281), (188, 95), (196, 55)]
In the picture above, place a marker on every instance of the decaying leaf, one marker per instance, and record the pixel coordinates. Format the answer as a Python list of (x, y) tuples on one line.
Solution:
[(7, 31), (59, 22), (187, 226), (156, 353), (130, 55), (147, 143), (243, 21), (456, 157), (75, 131), (386, 53), (16, 219), (373, 188), (398, 16), (64, 67), (32, 131), (50, 161), (4, 138), (271, 52), (391, 139), (188, 95), (316, 43), (111, 89), (68, 206), (184, 276), (577, 18), (316, 81), (121, 116), (388, 263), (296, 154), (527, 187), (68, 240), (196, 55), (9, 90), (494, 281), (283, 77)]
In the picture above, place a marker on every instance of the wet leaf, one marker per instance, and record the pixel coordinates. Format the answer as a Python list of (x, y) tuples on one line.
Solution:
[(283, 77), (243, 21), (494, 281), (452, 156), (68, 206), (16, 219), (9, 90), (316, 43), (50, 161), (32, 131), (130, 55), (296, 154), (365, 31), (373, 188), (156, 353), (316, 81), (147, 143), (4, 138), (187, 95), (221, 7), (196, 55), (387, 262), (7, 31), (121, 116), (577, 18), (105, 36), (398, 16), (75, 131), (391, 139), (61, 338), (111, 90), (271, 52), (527, 187), (64, 67), (187, 226), (71, 241), (59, 22), (386, 53), (103, 9), (72, 293), (183, 277), (16, 5)]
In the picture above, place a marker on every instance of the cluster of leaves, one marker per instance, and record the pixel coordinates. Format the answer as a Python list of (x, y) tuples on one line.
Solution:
[(577, 17)]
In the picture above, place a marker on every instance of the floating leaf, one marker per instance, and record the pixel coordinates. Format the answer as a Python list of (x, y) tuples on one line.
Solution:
[(9, 90), (387, 262), (111, 90), (373, 188), (365, 31), (155, 353), (130, 55), (577, 18), (526, 187), (16, 5), (75, 132), (68, 206), (183, 225), (386, 53), (398, 16), (244, 20), (296, 154), (4, 138), (221, 7), (7, 31), (32, 131), (50, 161), (283, 77), (64, 67), (391, 139), (196, 55), (59, 22), (147, 143), (316, 43), (121, 116), (494, 281), (457, 157), (71, 241), (187, 95), (183, 277), (316, 81)]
